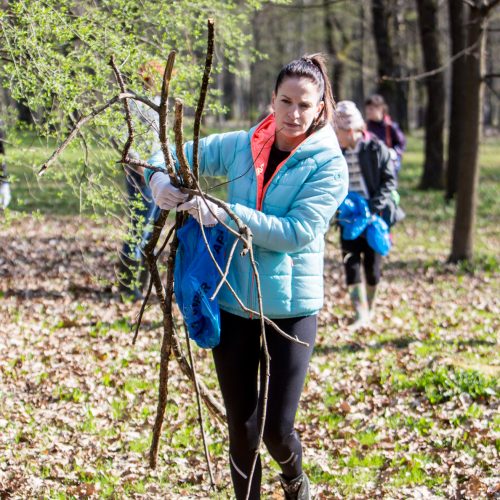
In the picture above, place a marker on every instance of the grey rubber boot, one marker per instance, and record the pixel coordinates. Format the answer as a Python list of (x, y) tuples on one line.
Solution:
[(357, 293), (296, 489), (371, 295)]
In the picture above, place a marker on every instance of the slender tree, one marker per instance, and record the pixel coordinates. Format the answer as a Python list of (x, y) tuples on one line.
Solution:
[(432, 176), (385, 56), (401, 58), (458, 123), (336, 64), (477, 17), (388, 58), (359, 81)]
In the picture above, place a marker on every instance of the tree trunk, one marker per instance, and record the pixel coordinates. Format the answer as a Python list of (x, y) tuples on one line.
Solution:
[(359, 82), (255, 79), (401, 58), (337, 66), (228, 90), (432, 176), (458, 121), (465, 214), (385, 58), (388, 65)]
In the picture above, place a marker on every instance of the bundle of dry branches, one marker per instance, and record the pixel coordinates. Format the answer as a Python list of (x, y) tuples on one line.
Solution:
[(187, 180)]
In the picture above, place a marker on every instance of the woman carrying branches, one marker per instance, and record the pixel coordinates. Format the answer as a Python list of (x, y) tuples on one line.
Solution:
[(286, 178)]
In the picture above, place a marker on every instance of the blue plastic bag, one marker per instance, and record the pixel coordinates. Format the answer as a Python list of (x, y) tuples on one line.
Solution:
[(195, 280), (353, 216), (377, 235)]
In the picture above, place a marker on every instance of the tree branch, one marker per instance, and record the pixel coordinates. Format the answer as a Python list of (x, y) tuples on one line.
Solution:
[(126, 107), (184, 169), (78, 125), (435, 71), (163, 112), (202, 97)]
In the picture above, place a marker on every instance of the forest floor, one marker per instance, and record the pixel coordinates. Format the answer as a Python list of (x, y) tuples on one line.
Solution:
[(406, 409)]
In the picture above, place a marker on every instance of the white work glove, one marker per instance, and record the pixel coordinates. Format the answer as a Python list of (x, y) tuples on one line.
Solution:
[(5, 196), (165, 195), (204, 211)]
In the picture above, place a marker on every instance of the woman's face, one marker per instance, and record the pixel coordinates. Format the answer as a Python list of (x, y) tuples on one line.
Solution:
[(374, 113), (345, 137), (296, 105)]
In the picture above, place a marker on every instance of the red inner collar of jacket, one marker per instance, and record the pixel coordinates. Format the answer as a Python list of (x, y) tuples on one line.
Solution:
[(261, 143)]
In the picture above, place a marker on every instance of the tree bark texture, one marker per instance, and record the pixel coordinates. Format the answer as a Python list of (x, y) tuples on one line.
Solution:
[(385, 58), (458, 122), (468, 166), (432, 175), (401, 57), (387, 65), (336, 65)]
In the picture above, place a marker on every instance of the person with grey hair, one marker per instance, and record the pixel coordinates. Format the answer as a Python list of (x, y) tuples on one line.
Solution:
[(371, 175)]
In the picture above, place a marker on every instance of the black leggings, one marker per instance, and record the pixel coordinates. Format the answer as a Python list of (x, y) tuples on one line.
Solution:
[(351, 253), (237, 362)]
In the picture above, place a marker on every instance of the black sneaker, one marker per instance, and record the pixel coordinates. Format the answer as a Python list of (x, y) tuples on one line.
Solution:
[(296, 489)]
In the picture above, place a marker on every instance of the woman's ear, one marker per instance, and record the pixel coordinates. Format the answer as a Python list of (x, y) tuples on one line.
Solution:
[(319, 110), (273, 99)]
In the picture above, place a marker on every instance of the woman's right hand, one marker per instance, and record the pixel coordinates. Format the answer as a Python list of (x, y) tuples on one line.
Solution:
[(165, 195)]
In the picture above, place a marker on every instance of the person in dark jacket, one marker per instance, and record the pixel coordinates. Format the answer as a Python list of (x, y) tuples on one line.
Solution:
[(379, 123), (371, 175)]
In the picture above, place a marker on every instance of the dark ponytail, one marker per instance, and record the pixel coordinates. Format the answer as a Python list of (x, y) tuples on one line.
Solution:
[(312, 67)]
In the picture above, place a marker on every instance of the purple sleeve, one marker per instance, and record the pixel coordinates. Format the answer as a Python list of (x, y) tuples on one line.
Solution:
[(398, 138)]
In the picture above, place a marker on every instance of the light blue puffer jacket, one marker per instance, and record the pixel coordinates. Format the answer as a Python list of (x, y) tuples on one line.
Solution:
[(288, 217)]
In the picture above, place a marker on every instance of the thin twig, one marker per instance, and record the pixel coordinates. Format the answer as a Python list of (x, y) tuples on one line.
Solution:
[(164, 244), (150, 288), (141, 312), (126, 107), (133, 162), (226, 271), (163, 114), (435, 71), (267, 362), (184, 169), (78, 125), (166, 347), (198, 403), (203, 95), (213, 405), (145, 100)]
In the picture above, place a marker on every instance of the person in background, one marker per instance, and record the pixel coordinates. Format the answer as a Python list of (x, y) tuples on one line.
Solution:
[(287, 177), (5, 196), (142, 209), (379, 123), (371, 175)]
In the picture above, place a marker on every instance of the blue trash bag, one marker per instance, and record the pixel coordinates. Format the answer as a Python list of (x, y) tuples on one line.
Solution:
[(196, 278), (378, 236), (353, 216)]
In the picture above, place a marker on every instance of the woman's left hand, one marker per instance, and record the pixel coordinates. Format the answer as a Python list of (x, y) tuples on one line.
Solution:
[(204, 211)]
